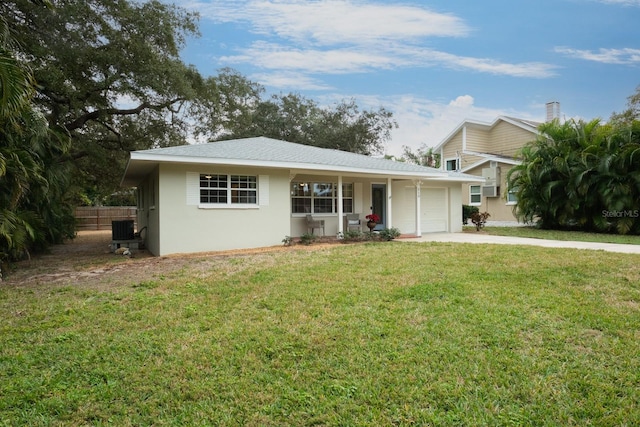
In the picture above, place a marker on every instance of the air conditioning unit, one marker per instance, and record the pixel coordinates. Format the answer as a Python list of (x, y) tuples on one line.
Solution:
[(490, 191), (122, 230)]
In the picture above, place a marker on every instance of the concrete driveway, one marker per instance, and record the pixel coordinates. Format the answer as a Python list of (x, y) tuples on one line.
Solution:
[(505, 240)]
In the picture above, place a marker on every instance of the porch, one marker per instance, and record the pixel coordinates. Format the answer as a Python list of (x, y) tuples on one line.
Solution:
[(412, 206)]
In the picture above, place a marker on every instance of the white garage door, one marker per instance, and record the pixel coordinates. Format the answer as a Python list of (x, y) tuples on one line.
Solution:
[(434, 210)]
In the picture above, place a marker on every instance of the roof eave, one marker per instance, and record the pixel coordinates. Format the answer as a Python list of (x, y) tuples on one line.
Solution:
[(462, 180), (458, 129), (521, 123), (125, 182), (139, 157)]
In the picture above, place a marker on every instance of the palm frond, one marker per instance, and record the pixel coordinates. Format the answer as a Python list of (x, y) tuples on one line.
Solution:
[(16, 86)]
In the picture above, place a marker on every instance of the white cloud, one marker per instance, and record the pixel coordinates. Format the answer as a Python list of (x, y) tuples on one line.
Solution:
[(289, 79), (486, 65), (606, 56), (426, 122), (621, 2), (337, 61), (463, 101), (355, 60), (332, 22), (328, 22), (350, 36)]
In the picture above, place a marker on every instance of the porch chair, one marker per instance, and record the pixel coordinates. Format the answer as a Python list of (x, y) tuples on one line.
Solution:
[(352, 222), (314, 223)]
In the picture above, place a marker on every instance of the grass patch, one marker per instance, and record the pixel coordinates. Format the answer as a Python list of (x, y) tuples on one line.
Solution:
[(536, 233), (373, 334)]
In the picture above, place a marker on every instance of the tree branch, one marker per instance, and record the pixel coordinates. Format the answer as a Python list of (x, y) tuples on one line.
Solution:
[(95, 115)]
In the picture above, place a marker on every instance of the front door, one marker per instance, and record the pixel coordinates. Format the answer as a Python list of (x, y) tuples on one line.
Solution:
[(379, 204)]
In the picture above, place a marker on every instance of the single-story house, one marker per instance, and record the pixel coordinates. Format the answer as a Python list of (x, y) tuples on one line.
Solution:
[(254, 192)]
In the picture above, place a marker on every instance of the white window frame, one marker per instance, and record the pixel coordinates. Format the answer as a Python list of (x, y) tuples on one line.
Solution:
[(512, 199), (235, 187), (308, 190), (348, 191), (456, 164), (473, 193)]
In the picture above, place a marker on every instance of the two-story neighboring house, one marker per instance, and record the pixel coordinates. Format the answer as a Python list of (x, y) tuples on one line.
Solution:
[(488, 150)]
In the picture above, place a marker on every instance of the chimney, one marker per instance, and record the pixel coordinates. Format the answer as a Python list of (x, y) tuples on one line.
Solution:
[(553, 111)]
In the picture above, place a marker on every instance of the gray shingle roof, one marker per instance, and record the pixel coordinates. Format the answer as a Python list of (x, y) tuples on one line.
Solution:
[(272, 150), (263, 151)]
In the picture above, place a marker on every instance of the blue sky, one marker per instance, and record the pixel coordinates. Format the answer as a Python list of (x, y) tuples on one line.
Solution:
[(432, 63)]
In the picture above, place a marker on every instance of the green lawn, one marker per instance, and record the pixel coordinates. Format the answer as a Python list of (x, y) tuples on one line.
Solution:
[(370, 334), (557, 235)]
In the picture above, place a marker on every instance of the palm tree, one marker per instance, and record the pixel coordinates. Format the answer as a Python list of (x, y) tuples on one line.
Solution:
[(32, 184), (424, 156), (581, 175)]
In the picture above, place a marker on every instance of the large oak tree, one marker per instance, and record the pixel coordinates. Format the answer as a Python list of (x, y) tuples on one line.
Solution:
[(294, 118), (83, 82), (108, 74)]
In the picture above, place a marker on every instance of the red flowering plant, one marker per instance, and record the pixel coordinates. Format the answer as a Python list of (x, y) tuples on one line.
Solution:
[(373, 217)]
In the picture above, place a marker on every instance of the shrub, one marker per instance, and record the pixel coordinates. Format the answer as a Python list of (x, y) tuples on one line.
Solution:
[(386, 234), (479, 219), (355, 236), (466, 213), (389, 233), (308, 238)]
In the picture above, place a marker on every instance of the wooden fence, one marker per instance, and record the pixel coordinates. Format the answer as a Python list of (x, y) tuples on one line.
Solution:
[(100, 217)]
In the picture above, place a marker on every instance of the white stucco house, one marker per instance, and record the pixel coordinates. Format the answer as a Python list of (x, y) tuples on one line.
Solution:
[(253, 192)]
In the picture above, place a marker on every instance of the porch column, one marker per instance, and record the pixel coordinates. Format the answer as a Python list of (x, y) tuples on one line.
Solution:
[(340, 207), (389, 204), (418, 183)]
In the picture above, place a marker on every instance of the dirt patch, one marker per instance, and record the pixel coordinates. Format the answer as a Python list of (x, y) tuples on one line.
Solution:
[(87, 260)]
